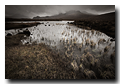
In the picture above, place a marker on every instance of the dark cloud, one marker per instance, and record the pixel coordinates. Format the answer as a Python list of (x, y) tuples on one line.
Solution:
[(48, 10)]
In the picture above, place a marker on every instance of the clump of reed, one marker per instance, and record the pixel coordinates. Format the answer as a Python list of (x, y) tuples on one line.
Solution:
[(72, 30), (67, 40), (86, 50), (82, 58), (113, 47), (112, 57), (90, 58), (105, 54), (107, 75), (68, 34), (71, 40), (80, 47), (83, 31), (100, 51), (106, 48), (74, 39), (65, 47), (89, 74), (92, 44), (74, 43), (97, 62), (87, 42), (92, 31), (68, 43), (63, 32), (101, 41), (97, 32), (66, 54), (88, 33), (81, 67), (59, 24), (110, 44), (76, 30), (74, 65), (63, 39)]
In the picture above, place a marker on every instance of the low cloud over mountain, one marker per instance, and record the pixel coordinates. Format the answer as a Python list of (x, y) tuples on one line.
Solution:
[(67, 15), (76, 15)]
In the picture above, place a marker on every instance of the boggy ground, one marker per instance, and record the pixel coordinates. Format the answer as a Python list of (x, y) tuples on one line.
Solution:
[(105, 26), (33, 61), (9, 26), (40, 62)]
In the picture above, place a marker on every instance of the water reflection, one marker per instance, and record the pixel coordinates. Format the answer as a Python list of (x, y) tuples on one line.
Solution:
[(69, 40)]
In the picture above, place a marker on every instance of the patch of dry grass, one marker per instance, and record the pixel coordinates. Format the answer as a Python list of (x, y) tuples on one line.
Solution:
[(34, 62), (19, 25), (39, 62)]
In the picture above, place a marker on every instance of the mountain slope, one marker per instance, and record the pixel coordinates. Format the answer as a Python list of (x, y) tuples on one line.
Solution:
[(17, 16), (68, 15), (107, 16)]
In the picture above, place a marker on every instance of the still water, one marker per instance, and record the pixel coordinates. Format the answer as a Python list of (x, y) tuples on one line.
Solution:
[(68, 40)]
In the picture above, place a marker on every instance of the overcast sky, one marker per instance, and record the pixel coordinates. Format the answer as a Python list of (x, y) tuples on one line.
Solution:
[(31, 11)]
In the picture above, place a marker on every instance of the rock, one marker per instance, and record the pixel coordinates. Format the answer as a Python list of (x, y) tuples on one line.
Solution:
[(112, 39), (27, 42), (26, 32), (9, 34)]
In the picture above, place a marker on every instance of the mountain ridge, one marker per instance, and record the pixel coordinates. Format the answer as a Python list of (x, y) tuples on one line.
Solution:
[(76, 15), (67, 15)]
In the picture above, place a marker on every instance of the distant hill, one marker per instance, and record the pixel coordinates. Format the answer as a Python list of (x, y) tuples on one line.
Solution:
[(68, 15), (77, 15), (107, 16)]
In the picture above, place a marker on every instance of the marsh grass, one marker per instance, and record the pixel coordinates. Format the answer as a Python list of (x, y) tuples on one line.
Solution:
[(96, 68), (112, 57), (14, 40), (106, 48), (20, 25), (87, 42), (34, 62), (106, 26), (41, 62)]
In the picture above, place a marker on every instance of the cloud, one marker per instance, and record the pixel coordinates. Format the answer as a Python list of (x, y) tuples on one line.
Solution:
[(48, 10), (100, 9)]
